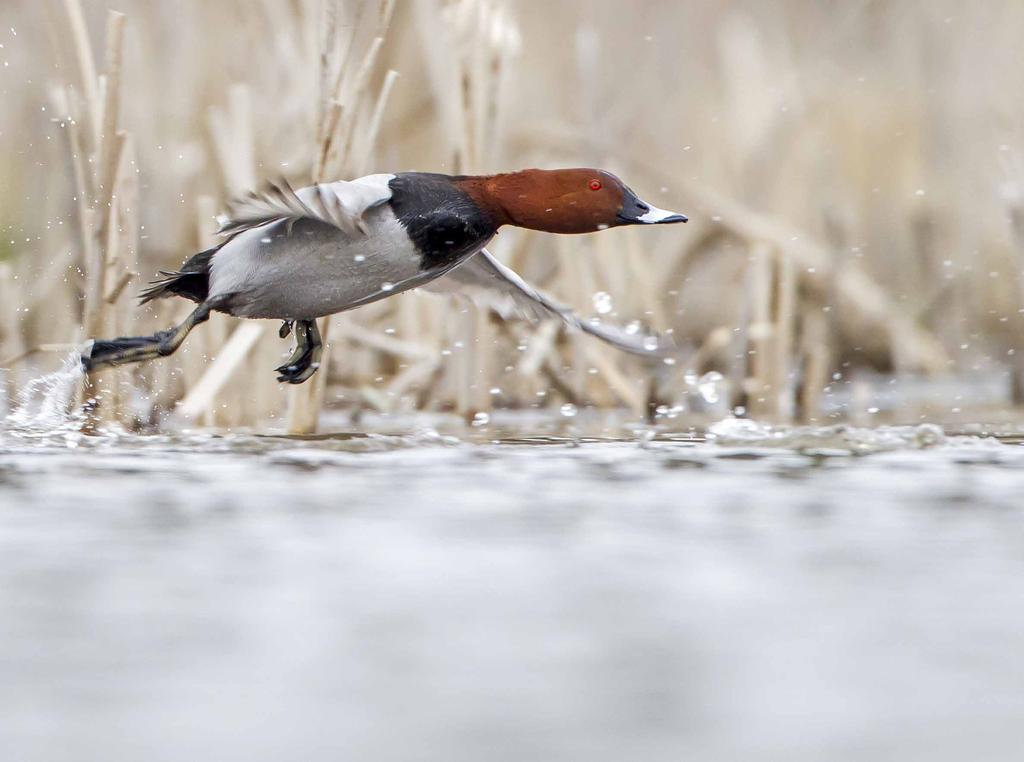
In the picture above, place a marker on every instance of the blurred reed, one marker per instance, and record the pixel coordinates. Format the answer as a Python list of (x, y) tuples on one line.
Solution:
[(852, 193), (106, 189)]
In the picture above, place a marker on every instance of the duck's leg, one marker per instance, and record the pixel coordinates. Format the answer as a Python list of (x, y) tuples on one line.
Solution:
[(128, 349), (305, 360)]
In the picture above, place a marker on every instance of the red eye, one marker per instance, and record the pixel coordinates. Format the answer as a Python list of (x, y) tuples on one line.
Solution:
[(595, 185)]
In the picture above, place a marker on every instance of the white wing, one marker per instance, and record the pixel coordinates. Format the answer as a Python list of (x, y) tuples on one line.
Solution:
[(489, 283), (341, 204)]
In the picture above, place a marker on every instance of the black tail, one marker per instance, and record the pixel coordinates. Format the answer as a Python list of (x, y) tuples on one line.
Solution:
[(192, 281)]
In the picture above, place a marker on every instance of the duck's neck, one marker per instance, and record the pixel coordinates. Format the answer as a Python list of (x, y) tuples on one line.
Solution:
[(496, 195), (526, 199), (551, 201)]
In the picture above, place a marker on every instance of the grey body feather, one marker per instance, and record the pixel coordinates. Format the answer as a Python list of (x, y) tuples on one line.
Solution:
[(299, 255), (314, 269)]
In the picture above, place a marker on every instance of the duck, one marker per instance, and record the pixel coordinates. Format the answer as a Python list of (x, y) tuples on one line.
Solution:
[(296, 255)]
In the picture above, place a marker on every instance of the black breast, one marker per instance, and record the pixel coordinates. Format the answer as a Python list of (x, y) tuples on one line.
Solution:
[(441, 220)]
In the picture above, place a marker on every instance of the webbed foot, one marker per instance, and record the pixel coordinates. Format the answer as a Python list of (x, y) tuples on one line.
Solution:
[(305, 360)]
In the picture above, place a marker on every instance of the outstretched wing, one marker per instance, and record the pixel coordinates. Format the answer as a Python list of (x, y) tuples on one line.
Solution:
[(489, 283), (340, 204)]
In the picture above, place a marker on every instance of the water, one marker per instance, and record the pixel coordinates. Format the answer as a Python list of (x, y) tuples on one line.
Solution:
[(499, 596), (43, 404)]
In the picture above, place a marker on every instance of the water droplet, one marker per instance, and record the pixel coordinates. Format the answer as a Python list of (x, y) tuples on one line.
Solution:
[(650, 343), (602, 302), (569, 410), (708, 386), (359, 258), (385, 286), (481, 419), (633, 327)]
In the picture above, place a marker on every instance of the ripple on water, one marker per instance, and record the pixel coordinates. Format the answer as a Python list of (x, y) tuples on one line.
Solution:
[(838, 439)]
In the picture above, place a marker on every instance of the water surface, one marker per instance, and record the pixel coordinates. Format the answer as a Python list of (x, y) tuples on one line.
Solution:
[(412, 596)]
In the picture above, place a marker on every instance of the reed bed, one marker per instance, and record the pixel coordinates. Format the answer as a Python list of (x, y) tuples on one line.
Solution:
[(853, 180)]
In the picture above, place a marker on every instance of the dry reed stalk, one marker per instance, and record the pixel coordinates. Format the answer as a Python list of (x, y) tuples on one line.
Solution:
[(122, 269), (234, 141), (577, 270), (192, 359), (631, 393), (468, 47), (716, 341), (200, 399), (771, 334), (760, 332), (107, 190), (231, 131), (399, 348), (539, 346), (817, 360), (12, 343), (784, 331), (1015, 209), (342, 104), (83, 178), (86, 66), (646, 296), (110, 140), (415, 375)]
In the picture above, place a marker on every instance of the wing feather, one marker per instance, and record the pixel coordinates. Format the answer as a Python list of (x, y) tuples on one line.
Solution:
[(339, 204), (489, 283)]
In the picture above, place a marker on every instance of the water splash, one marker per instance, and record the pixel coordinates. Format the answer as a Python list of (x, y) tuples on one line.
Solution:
[(738, 432), (45, 402), (709, 386)]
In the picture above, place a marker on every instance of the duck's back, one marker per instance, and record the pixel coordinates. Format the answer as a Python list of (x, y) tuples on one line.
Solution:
[(305, 268), (309, 269)]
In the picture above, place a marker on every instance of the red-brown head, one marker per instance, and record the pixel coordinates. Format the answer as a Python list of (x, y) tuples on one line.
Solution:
[(563, 200)]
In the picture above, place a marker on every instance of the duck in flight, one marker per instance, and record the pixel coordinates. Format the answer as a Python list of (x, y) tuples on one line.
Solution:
[(297, 255)]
